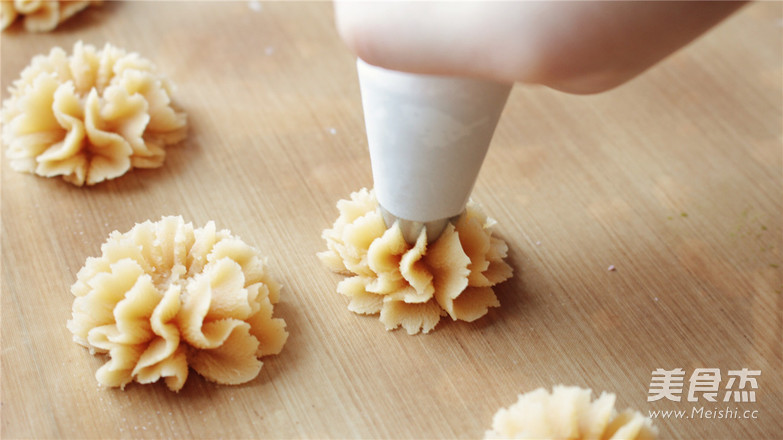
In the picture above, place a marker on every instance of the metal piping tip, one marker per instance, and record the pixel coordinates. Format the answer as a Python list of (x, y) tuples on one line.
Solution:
[(412, 229)]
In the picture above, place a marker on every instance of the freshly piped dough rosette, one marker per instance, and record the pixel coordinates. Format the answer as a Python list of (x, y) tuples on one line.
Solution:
[(413, 286), (40, 15), (568, 413), (164, 296), (90, 116)]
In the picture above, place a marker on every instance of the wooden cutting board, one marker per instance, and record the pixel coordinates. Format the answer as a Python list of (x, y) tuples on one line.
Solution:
[(675, 179)]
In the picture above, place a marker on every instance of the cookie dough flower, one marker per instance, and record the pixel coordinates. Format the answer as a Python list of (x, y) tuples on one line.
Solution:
[(413, 286), (166, 296), (568, 413), (40, 15), (89, 116)]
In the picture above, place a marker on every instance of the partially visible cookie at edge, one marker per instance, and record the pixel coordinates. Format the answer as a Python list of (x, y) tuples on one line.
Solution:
[(40, 15)]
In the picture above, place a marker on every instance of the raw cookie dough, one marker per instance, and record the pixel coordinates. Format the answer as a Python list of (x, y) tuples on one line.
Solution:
[(40, 15), (164, 296), (90, 116), (568, 413), (413, 286)]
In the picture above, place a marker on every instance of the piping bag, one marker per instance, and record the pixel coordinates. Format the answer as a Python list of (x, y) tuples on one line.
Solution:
[(427, 136)]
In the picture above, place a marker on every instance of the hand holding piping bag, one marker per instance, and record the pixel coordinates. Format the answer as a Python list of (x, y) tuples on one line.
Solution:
[(435, 76), (575, 47)]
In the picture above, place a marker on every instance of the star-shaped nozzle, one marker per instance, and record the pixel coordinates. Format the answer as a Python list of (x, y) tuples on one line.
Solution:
[(411, 229)]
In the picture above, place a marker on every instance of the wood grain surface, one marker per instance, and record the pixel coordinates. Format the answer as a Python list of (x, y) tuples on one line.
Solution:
[(675, 179)]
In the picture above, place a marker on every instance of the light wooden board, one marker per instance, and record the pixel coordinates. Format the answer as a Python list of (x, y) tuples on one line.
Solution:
[(676, 179)]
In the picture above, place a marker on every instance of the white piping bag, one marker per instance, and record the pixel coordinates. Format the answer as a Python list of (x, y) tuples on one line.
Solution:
[(428, 136)]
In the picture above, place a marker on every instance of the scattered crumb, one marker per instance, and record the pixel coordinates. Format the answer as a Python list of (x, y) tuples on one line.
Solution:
[(655, 299), (683, 214), (538, 243), (332, 130), (611, 268)]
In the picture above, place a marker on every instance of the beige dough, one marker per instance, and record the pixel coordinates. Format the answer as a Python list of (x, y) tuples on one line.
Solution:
[(413, 286), (568, 413), (164, 296), (89, 116), (40, 15)]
